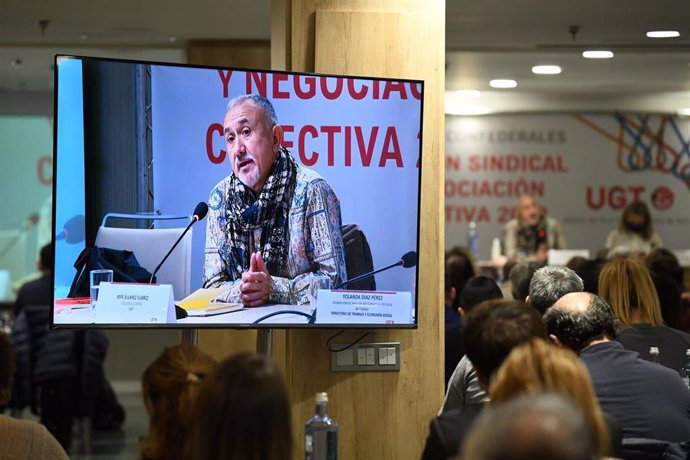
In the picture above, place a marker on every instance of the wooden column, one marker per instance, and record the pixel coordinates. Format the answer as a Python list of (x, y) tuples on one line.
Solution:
[(381, 415)]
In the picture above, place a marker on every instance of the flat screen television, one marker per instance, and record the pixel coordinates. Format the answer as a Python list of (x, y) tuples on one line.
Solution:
[(152, 139)]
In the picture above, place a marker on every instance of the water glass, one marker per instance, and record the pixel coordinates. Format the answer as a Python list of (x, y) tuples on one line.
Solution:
[(96, 278), (318, 282)]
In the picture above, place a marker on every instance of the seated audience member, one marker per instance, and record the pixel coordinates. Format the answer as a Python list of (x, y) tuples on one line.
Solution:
[(539, 367), (242, 412), (635, 232), (531, 234), (668, 277), (627, 286), (589, 271), (492, 330), (548, 284), (170, 386), (575, 262), (463, 386), (21, 438), (520, 277), (459, 268), (648, 400), (38, 291), (545, 426)]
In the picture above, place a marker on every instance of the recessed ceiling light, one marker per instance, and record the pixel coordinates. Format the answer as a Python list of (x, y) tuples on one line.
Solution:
[(663, 34), (467, 110), (546, 69), (597, 54), (684, 112), (502, 83)]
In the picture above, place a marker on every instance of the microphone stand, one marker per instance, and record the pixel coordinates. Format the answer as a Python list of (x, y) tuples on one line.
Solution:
[(264, 342), (367, 275), (194, 220)]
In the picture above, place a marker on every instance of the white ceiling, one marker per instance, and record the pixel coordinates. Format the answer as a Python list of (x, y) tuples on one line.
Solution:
[(484, 39)]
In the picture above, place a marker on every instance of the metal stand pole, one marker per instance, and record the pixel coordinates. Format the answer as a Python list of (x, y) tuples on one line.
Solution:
[(264, 342), (190, 337)]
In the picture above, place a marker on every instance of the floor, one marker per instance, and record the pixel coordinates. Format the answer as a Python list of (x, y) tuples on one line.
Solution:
[(121, 444)]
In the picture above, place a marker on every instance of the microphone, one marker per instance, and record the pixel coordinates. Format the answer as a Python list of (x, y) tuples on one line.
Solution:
[(408, 260), (73, 230), (199, 213), (31, 221)]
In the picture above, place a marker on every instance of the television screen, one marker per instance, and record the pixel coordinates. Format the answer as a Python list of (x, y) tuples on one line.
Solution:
[(297, 195)]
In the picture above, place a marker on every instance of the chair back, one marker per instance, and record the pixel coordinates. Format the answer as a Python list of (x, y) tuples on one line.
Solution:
[(358, 259), (150, 246)]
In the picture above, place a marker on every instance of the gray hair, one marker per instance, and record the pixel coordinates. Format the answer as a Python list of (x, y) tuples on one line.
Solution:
[(550, 283), (261, 102), (535, 427)]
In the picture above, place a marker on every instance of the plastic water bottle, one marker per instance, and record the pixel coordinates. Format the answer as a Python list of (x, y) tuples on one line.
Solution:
[(473, 239), (495, 248), (654, 354), (685, 370), (321, 433)]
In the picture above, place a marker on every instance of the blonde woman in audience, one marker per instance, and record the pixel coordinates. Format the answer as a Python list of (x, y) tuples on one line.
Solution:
[(625, 283), (170, 388), (539, 367), (242, 413)]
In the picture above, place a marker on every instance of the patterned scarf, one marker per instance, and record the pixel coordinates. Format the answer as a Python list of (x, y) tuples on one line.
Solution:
[(528, 237), (246, 212)]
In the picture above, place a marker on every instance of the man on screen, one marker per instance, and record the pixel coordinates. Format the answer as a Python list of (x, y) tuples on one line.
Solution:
[(272, 224)]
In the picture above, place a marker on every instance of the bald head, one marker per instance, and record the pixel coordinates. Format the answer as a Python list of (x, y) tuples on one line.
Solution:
[(575, 302), (578, 318)]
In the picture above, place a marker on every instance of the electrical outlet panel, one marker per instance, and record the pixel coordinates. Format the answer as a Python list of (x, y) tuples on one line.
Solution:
[(384, 356)]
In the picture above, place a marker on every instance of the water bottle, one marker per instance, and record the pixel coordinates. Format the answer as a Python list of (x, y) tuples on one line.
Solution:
[(473, 240), (654, 354), (321, 433), (685, 370)]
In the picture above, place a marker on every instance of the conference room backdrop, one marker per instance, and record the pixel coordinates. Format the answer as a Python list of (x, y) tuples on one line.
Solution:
[(585, 168)]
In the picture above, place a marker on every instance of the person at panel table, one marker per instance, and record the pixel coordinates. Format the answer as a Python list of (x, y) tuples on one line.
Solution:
[(272, 224), (531, 234), (635, 232)]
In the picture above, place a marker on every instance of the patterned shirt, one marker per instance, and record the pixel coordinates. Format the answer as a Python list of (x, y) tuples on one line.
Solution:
[(315, 245)]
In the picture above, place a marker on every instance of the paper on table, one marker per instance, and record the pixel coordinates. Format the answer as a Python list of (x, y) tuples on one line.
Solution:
[(200, 303)]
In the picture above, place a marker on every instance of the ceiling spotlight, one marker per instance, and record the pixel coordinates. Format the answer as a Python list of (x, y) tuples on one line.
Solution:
[(467, 110), (172, 39), (502, 83), (546, 69), (17, 63), (663, 34), (597, 54)]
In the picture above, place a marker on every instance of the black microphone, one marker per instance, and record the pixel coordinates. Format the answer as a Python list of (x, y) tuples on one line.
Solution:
[(408, 260), (199, 213), (73, 230)]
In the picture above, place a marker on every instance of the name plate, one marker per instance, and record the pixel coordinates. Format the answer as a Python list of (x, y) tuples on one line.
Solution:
[(363, 307), (135, 304)]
